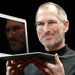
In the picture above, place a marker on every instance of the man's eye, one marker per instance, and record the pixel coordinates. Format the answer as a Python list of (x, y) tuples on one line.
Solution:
[(51, 22), (15, 28), (39, 24)]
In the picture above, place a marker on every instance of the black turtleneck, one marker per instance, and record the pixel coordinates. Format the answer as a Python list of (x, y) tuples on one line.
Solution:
[(68, 63), (61, 51)]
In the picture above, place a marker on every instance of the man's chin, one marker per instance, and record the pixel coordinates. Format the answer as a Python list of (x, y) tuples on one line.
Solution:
[(49, 44), (14, 49)]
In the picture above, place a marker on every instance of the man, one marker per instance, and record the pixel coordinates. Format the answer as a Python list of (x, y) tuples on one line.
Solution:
[(15, 32), (51, 26)]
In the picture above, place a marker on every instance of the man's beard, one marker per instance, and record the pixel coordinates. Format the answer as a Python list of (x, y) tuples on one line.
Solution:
[(53, 46)]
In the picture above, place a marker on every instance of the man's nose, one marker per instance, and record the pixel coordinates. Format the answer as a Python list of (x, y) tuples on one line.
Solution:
[(46, 28), (11, 34)]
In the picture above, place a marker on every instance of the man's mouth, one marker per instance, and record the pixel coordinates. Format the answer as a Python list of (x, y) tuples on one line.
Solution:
[(48, 37), (13, 42)]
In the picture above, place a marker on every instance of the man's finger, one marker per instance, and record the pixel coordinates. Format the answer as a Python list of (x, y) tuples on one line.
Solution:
[(57, 60)]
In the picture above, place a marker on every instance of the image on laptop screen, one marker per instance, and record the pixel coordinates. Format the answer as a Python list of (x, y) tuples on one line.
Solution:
[(13, 35)]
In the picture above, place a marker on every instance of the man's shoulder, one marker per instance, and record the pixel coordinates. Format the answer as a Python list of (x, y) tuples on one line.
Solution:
[(69, 51)]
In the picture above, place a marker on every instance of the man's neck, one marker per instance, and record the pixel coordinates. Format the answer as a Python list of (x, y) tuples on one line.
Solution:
[(55, 48)]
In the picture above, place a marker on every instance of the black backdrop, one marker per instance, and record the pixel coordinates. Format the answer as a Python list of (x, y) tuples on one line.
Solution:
[(26, 10)]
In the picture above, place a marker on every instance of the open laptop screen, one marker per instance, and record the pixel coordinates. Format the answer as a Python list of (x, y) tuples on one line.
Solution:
[(13, 35)]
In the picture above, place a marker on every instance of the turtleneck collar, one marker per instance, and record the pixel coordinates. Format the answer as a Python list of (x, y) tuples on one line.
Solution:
[(60, 51)]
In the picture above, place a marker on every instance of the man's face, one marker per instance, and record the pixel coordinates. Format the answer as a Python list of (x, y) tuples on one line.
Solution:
[(15, 34), (50, 29)]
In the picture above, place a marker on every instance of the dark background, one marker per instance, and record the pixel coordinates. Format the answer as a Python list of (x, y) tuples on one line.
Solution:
[(26, 10)]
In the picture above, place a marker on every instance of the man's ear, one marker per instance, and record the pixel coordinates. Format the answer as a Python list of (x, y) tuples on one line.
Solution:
[(66, 26)]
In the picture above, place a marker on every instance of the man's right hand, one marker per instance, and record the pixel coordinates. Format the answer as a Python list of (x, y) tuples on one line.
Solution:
[(14, 67)]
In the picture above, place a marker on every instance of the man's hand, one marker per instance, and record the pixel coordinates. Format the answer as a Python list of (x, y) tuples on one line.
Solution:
[(49, 68), (14, 67)]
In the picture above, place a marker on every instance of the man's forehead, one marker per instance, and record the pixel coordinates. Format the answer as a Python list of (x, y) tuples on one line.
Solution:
[(13, 22), (47, 12), (51, 8)]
